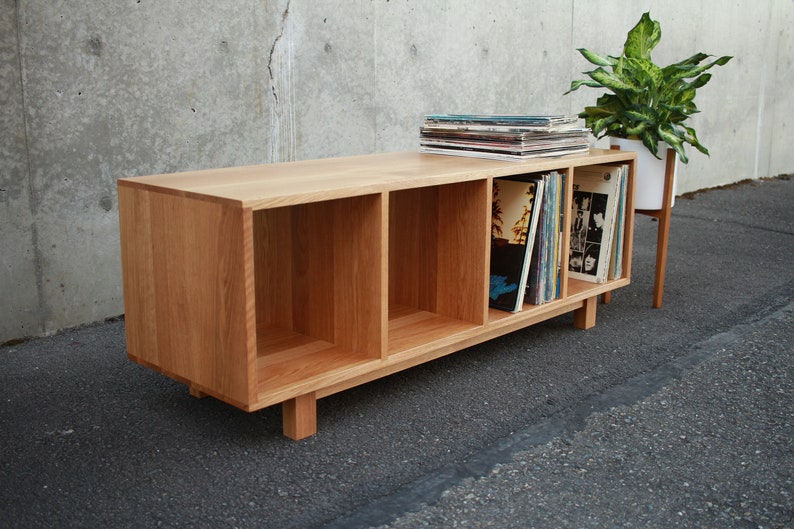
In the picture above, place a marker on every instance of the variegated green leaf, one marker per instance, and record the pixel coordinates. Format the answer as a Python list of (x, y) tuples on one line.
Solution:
[(673, 140), (640, 116), (681, 72), (598, 125), (596, 59), (612, 81), (582, 82), (597, 111), (699, 81), (645, 72), (651, 141), (695, 59), (694, 141), (642, 38), (636, 130)]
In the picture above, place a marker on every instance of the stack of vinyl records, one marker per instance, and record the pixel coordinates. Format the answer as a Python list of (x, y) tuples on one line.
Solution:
[(502, 137)]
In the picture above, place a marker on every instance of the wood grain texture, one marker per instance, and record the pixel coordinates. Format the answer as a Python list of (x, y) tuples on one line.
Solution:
[(413, 248), (288, 282), (188, 288), (300, 417), (585, 317), (137, 263), (438, 238), (463, 250), (320, 271), (285, 184)]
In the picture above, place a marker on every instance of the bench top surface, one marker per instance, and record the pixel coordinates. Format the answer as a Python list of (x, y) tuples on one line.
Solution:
[(289, 183)]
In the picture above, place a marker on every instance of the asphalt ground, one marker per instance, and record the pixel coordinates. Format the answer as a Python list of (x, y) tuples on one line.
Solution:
[(673, 417), (710, 449)]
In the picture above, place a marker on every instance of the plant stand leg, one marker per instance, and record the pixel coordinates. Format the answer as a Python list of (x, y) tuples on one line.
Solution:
[(663, 234), (661, 258), (585, 317), (300, 416)]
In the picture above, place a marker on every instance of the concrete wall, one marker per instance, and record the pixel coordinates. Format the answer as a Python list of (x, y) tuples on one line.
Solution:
[(96, 90)]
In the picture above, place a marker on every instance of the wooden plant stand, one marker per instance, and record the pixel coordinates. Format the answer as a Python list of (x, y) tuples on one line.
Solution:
[(663, 231), (286, 283)]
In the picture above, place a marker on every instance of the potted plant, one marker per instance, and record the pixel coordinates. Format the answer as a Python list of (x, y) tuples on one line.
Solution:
[(646, 103)]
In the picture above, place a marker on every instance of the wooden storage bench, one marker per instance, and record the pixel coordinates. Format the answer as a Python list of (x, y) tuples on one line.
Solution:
[(288, 282)]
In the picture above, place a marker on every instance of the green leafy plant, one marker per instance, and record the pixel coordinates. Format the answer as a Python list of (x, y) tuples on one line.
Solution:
[(647, 101)]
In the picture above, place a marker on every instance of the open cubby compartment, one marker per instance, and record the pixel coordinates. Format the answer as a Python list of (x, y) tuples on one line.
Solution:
[(319, 280), (530, 312), (437, 264)]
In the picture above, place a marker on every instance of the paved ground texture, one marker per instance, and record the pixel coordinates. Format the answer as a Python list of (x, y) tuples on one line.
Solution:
[(671, 417), (713, 449)]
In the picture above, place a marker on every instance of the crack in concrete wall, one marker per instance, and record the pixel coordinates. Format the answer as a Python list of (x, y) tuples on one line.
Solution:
[(278, 38), (279, 68)]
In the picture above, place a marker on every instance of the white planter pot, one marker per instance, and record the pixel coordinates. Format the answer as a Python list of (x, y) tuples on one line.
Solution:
[(649, 188)]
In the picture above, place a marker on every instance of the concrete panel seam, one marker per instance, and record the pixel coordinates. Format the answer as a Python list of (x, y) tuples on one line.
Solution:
[(32, 198)]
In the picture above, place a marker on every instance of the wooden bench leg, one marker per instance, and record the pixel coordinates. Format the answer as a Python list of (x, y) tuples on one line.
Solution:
[(197, 393), (585, 317), (606, 298), (300, 416)]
